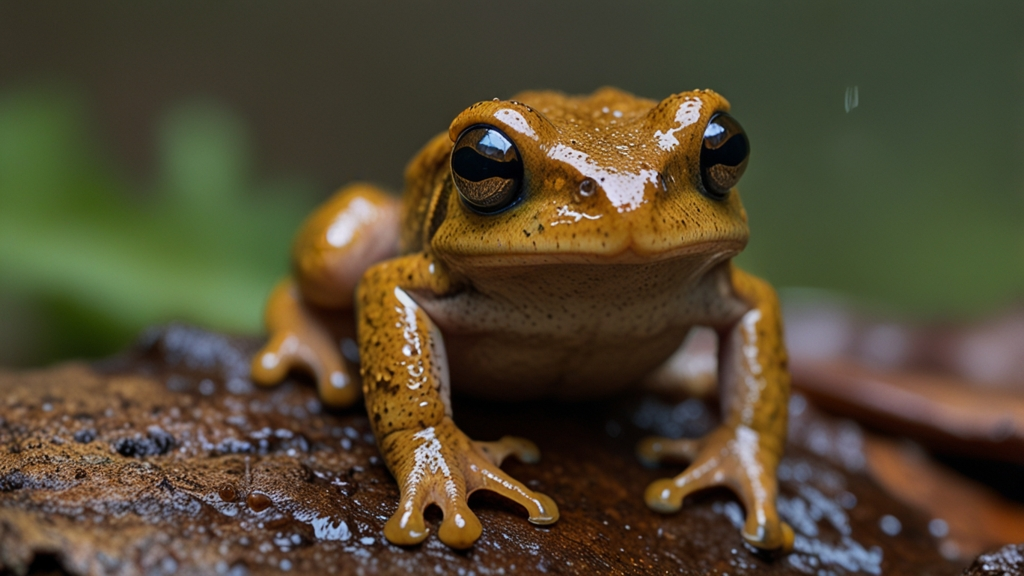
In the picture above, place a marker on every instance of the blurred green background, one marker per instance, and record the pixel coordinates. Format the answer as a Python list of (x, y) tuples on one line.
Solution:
[(155, 158)]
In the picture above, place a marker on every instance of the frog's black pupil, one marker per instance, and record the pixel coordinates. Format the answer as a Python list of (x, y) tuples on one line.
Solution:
[(486, 169), (723, 155), (471, 165), (732, 153)]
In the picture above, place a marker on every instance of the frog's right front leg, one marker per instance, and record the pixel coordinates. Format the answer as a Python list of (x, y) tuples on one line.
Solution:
[(406, 384)]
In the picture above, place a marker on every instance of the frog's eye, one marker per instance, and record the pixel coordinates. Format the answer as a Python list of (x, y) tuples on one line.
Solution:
[(487, 169), (723, 155)]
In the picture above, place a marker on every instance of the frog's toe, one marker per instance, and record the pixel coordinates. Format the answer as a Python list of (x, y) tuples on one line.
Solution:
[(666, 495), (763, 528), (656, 449), (776, 536), (406, 527), (484, 474), (286, 350), (460, 527), (541, 509), (336, 385), (271, 364), (521, 448), (547, 510)]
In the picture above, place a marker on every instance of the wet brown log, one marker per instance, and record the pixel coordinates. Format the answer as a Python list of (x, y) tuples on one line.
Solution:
[(167, 459)]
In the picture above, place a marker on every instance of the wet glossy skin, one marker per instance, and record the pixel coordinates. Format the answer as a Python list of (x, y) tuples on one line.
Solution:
[(587, 284)]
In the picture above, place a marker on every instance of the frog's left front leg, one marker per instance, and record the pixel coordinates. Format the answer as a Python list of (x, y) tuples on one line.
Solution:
[(744, 452), (406, 384)]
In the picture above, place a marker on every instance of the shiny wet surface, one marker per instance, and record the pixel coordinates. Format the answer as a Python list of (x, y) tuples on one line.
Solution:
[(168, 459)]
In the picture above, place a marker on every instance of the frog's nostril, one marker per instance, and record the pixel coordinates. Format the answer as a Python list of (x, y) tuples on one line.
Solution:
[(588, 187)]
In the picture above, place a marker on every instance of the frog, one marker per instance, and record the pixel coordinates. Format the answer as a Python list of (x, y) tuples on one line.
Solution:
[(546, 247)]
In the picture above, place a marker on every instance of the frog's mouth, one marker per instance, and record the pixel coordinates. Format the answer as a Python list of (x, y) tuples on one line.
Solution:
[(711, 251)]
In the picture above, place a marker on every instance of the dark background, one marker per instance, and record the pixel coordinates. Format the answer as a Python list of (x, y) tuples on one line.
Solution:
[(156, 157)]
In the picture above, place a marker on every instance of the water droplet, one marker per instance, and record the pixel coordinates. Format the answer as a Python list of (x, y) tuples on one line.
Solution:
[(852, 99), (227, 494), (258, 502), (890, 525), (938, 528)]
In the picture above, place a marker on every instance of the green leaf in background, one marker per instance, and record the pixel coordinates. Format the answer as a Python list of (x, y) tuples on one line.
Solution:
[(86, 262)]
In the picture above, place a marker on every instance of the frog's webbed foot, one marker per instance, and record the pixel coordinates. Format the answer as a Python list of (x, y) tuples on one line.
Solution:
[(299, 341), (440, 465), (733, 457)]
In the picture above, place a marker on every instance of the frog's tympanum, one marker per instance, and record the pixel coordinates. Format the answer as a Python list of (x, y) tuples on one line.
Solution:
[(546, 246)]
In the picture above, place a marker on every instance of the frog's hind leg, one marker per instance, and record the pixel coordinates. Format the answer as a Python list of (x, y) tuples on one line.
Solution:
[(354, 229)]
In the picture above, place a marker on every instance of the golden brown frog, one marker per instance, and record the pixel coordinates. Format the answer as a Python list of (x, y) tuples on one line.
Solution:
[(546, 246)]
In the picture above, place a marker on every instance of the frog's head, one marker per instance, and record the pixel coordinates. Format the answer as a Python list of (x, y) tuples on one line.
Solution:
[(605, 178)]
